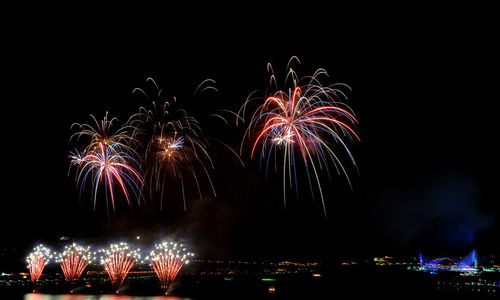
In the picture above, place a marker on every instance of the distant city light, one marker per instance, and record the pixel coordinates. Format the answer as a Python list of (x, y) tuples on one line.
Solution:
[(268, 279)]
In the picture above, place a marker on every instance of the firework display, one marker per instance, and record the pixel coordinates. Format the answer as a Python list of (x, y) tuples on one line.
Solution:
[(117, 260), (74, 259), (159, 144), (37, 260), (304, 125), (167, 258), (110, 165), (308, 122), (301, 130), (104, 132), (172, 145)]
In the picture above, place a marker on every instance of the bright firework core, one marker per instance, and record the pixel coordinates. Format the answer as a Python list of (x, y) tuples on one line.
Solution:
[(170, 146), (175, 142)]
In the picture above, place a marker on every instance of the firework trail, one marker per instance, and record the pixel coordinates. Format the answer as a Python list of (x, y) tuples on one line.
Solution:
[(303, 124), (172, 144), (37, 260), (117, 260), (74, 259), (111, 166), (167, 259), (104, 132)]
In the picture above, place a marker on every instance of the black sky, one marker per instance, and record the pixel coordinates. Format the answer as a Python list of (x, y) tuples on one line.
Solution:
[(422, 85)]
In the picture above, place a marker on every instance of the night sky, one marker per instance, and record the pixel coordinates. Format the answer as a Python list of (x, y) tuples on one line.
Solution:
[(422, 91)]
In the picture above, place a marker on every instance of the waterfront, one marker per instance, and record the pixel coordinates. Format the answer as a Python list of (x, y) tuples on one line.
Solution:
[(393, 282), (36, 296)]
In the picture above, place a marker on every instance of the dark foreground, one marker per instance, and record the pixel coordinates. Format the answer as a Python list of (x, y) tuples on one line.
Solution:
[(392, 283)]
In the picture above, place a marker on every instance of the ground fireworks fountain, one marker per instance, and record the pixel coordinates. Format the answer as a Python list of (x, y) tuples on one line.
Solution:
[(117, 260), (74, 259), (167, 259), (37, 260)]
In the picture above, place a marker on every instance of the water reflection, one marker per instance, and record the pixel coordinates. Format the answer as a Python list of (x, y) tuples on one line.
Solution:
[(37, 296)]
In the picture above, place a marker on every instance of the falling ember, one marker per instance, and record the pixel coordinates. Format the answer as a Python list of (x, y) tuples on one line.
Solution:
[(73, 260), (167, 259), (37, 261), (117, 260)]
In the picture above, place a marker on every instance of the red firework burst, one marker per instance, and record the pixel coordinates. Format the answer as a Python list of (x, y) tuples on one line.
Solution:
[(306, 123)]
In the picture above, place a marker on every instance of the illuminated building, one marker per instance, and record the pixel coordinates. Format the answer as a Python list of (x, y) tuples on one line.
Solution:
[(466, 264)]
